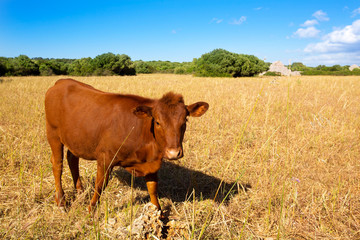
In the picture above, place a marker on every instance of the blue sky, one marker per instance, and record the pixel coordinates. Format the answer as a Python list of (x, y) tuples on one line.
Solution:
[(313, 32)]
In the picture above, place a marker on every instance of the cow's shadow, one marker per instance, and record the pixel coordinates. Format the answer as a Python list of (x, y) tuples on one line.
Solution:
[(177, 183)]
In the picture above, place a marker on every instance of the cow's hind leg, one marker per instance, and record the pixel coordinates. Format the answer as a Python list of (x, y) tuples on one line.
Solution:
[(57, 155), (73, 162)]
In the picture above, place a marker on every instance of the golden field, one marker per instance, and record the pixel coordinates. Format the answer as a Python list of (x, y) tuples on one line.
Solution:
[(287, 148)]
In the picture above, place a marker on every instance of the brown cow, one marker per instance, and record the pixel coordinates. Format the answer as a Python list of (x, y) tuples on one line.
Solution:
[(116, 130)]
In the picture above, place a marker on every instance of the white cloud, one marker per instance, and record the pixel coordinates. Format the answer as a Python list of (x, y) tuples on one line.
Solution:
[(332, 59), (321, 16), (216, 20), (355, 12), (341, 46), (309, 23), (258, 8), (346, 39), (309, 32), (238, 22)]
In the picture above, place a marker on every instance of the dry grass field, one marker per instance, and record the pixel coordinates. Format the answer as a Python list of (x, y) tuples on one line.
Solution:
[(287, 149)]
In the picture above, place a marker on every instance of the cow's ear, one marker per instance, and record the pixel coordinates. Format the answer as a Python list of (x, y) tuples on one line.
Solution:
[(142, 111), (197, 109)]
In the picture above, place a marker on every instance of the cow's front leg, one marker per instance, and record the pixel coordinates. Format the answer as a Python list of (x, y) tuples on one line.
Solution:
[(102, 178), (152, 185)]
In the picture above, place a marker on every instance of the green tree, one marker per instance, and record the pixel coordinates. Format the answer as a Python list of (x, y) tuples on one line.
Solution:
[(24, 66), (180, 70), (298, 66), (222, 63), (123, 65), (3, 68), (335, 68), (45, 69), (111, 64), (143, 67), (81, 67), (320, 67)]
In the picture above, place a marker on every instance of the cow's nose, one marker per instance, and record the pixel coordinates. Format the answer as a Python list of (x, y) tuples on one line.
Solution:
[(173, 153)]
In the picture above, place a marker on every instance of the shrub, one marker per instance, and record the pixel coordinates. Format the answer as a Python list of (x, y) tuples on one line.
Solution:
[(331, 72), (22, 66), (180, 70), (3, 68), (112, 64), (272, 74), (222, 63), (45, 70), (81, 67), (143, 67), (298, 66)]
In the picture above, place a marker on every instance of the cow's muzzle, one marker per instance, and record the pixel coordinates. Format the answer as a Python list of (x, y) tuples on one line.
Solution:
[(173, 153)]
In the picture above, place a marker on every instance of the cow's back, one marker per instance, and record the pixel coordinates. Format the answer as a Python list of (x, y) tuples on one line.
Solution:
[(60, 98), (77, 115)]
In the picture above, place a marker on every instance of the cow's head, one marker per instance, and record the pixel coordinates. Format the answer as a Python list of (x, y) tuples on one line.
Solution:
[(169, 115)]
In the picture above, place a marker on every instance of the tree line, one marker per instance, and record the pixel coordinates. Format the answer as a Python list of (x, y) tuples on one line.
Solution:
[(104, 64), (217, 63), (336, 70)]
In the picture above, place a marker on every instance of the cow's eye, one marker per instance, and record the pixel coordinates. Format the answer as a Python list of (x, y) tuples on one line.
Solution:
[(157, 123)]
